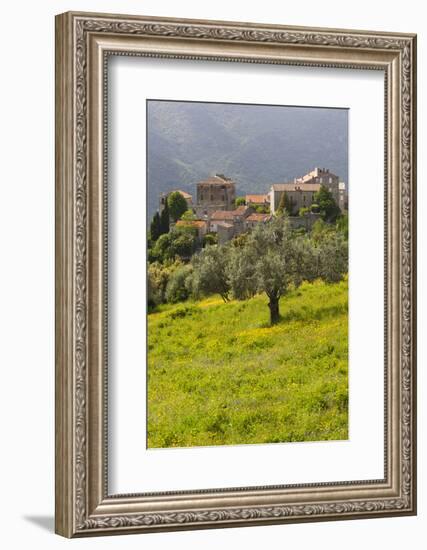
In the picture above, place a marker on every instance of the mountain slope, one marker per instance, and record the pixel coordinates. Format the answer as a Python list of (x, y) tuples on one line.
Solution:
[(255, 145)]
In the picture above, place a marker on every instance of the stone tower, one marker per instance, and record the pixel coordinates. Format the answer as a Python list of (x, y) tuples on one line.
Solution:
[(215, 193)]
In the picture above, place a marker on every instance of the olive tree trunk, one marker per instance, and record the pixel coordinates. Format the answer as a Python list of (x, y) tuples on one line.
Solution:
[(273, 304)]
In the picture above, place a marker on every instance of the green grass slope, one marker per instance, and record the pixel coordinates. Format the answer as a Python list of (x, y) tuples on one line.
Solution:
[(218, 374)]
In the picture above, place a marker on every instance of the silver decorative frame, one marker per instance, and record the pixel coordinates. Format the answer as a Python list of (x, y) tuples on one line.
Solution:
[(83, 43)]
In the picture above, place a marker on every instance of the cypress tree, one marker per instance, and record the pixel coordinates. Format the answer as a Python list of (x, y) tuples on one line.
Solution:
[(164, 219), (155, 227), (285, 204)]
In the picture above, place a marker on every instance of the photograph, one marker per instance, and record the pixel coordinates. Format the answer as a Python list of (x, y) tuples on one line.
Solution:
[(247, 274), (235, 271)]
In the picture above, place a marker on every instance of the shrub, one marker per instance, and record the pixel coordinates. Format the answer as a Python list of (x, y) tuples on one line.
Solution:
[(158, 278), (179, 243), (178, 288), (210, 239)]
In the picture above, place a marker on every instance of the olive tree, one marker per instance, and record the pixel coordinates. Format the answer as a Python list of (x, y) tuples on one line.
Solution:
[(331, 258), (271, 260), (210, 272), (179, 285), (274, 259)]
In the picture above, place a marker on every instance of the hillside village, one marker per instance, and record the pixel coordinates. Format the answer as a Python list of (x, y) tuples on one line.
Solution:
[(215, 208)]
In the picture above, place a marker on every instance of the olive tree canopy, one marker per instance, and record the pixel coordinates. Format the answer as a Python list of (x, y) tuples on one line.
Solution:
[(273, 259)]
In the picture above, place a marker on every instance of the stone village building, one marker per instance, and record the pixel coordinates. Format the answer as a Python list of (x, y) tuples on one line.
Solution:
[(215, 203), (200, 226), (215, 193), (229, 223), (258, 200), (302, 190)]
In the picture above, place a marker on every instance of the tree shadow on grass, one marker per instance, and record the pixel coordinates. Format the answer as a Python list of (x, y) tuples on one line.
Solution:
[(308, 314)]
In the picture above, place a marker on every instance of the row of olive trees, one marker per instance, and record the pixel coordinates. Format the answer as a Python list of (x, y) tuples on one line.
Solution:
[(271, 260)]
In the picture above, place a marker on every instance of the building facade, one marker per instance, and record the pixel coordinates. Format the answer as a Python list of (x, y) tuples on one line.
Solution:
[(299, 195), (301, 191), (200, 226), (215, 193), (258, 200), (255, 218), (235, 217)]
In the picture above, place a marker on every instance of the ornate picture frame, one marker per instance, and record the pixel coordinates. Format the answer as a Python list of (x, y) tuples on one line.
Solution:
[(84, 42)]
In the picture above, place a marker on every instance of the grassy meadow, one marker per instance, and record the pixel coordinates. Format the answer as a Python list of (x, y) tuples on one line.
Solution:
[(218, 374)]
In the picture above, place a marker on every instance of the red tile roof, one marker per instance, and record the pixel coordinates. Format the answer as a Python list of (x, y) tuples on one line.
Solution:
[(257, 199), (223, 215), (191, 223), (240, 210), (230, 214)]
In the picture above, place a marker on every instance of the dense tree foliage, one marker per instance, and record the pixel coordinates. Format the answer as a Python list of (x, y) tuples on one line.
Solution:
[(270, 259), (188, 216), (164, 219), (239, 201), (179, 287), (328, 208), (158, 277), (342, 225), (178, 243), (210, 272), (177, 205), (210, 239), (262, 209), (321, 231), (155, 228)]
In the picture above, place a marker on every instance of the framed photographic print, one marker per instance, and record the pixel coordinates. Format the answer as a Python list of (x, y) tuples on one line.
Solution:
[(235, 274)]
